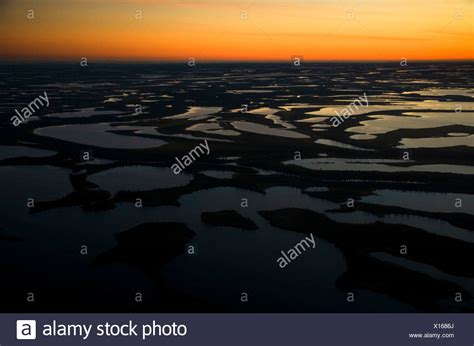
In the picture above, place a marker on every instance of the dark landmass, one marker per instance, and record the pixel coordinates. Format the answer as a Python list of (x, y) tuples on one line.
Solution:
[(359, 241), (149, 245)]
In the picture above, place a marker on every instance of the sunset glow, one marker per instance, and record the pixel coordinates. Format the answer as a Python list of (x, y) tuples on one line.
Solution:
[(237, 30)]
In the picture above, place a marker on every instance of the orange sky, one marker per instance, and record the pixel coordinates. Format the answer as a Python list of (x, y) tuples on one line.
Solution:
[(237, 29)]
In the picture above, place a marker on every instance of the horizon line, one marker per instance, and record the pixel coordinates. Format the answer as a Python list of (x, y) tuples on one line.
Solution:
[(210, 61)]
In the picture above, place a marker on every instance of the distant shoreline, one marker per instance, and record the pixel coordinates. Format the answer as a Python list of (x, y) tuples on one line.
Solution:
[(225, 62)]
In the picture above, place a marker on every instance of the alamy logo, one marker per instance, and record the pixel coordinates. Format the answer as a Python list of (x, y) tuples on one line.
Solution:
[(29, 110), (351, 109), (26, 330), (192, 156)]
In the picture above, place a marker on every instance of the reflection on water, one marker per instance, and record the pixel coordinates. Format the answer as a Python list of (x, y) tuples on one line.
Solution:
[(437, 142), (99, 135), (270, 114), (219, 174), (12, 151), (249, 263), (265, 130), (467, 283), (212, 128), (81, 113), (250, 91), (138, 178), (376, 165), (429, 225), (425, 201), (196, 113), (379, 124), (19, 183), (334, 110), (442, 92), (340, 145)]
